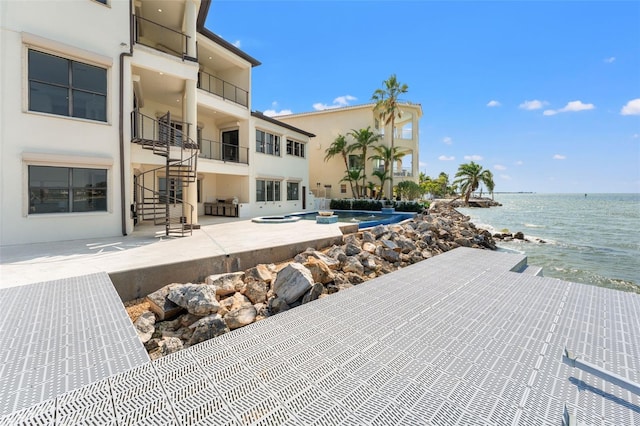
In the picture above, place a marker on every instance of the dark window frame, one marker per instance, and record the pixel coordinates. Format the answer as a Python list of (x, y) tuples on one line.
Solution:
[(293, 194), (78, 94), (268, 190)]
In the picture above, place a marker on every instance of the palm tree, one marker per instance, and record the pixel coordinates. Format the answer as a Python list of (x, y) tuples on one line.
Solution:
[(387, 107), (340, 147), (469, 176), (364, 138), (383, 176), (353, 175), (388, 156)]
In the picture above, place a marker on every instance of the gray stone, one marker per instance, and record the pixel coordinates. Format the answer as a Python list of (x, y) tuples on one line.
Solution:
[(145, 326), (368, 237), (351, 239), (277, 305), (313, 294), (207, 328), (378, 231), (292, 282), (388, 244), (226, 284), (197, 299), (159, 304), (352, 249), (390, 255), (240, 317), (352, 264)]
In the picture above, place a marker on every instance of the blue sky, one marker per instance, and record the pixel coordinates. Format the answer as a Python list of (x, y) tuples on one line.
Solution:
[(545, 94)]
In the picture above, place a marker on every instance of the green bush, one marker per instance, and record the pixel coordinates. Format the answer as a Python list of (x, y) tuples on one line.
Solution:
[(376, 205)]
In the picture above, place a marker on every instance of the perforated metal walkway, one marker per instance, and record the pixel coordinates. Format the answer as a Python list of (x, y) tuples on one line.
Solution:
[(61, 335), (457, 339)]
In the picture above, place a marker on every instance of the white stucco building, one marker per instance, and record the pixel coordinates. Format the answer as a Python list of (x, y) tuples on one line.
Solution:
[(117, 111), (326, 176)]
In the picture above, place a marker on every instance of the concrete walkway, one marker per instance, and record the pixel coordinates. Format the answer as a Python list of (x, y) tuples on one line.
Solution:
[(147, 247)]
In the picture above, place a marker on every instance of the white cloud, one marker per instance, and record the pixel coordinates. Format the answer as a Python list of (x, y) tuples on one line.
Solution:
[(274, 113), (340, 101), (237, 44), (532, 105), (631, 108), (610, 60), (493, 103), (445, 158), (572, 106), (519, 163), (499, 167), (473, 157), (447, 140), (559, 157), (505, 177), (636, 135)]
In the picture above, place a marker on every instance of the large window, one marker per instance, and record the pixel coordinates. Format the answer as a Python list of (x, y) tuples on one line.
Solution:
[(267, 190), (295, 148), (293, 191), (65, 87), (267, 143), (66, 189)]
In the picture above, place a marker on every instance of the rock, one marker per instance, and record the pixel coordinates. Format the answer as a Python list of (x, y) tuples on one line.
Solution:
[(352, 264), (518, 236), (369, 247), (277, 305), (261, 272), (352, 249), (165, 346), (319, 270), (368, 237), (240, 317), (197, 299), (378, 231), (239, 301), (388, 244), (354, 278), (226, 284), (351, 239), (313, 294), (292, 282), (160, 305), (390, 255), (463, 242), (256, 291), (145, 326), (207, 328), (330, 261)]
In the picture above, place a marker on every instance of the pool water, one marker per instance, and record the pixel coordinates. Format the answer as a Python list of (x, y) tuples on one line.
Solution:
[(364, 219)]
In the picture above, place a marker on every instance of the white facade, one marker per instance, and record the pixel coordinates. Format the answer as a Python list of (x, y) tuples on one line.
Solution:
[(82, 80)]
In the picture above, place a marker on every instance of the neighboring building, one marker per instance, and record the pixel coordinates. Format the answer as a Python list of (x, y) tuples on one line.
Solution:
[(115, 112), (326, 176)]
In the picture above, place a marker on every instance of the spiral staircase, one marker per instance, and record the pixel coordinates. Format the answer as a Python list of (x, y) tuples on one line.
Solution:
[(158, 192)]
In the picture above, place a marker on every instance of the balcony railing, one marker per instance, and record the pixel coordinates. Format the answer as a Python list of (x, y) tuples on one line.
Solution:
[(224, 89), (213, 150), (405, 172), (159, 37)]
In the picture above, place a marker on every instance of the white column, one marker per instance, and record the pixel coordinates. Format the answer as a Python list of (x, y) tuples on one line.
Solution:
[(190, 18), (190, 113)]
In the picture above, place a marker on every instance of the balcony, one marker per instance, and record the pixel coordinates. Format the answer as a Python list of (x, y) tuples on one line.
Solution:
[(213, 150), (162, 38), (224, 89), (405, 172)]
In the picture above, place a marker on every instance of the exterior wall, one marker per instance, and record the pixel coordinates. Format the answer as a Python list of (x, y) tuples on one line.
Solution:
[(328, 124), (32, 138), (283, 168)]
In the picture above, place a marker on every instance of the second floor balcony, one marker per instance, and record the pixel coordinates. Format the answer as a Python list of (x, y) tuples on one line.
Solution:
[(213, 150), (224, 89)]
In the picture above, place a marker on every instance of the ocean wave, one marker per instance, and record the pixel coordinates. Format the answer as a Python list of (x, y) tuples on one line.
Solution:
[(532, 225)]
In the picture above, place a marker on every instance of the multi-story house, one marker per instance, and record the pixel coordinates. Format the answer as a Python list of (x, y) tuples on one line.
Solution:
[(327, 176), (116, 113)]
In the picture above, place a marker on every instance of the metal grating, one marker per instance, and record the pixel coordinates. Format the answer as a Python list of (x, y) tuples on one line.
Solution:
[(455, 340), (62, 335)]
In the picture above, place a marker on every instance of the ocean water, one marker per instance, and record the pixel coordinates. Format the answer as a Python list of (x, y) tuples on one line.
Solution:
[(592, 239)]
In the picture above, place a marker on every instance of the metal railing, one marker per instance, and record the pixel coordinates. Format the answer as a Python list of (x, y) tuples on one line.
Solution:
[(162, 38), (213, 150), (405, 172), (224, 89)]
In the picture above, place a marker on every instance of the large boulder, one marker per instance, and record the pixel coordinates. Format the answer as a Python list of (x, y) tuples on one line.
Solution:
[(313, 294), (207, 328), (352, 249), (226, 284), (352, 264), (240, 317), (197, 299), (292, 282), (160, 305), (256, 291), (261, 272), (145, 326), (277, 305)]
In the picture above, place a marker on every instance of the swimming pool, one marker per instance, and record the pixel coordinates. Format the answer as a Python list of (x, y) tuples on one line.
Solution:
[(364, 219)]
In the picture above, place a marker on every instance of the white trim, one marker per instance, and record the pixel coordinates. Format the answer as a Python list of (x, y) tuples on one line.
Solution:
[(269, 177), (38, 158), (36, 41)]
